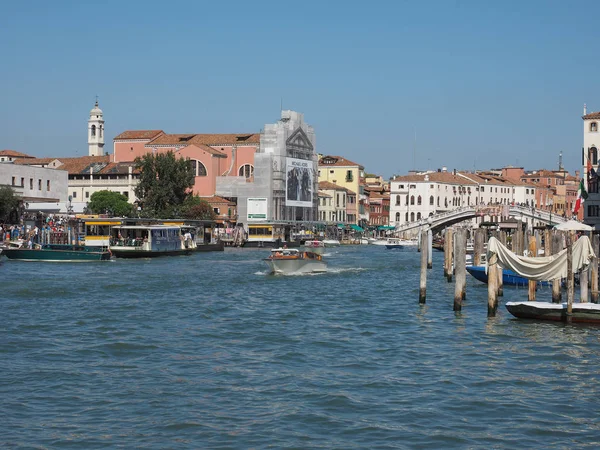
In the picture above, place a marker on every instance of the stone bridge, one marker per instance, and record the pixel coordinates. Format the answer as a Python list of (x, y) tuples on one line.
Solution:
[(439, 221)]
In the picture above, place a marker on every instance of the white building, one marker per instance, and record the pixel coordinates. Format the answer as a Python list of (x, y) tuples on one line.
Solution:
[(591, 143), (418, 196), (35, 184)]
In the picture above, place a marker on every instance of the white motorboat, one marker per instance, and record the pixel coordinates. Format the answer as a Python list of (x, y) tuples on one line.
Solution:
[(292, 261), (315, 246), (331, 242)]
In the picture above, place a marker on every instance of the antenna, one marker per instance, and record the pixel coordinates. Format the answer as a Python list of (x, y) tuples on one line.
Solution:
[(560, 165), (280, 104)]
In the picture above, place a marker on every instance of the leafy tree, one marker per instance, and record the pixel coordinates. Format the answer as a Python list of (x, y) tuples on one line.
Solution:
[(113, 202), (198, 209), (165, 183), (9, 202)]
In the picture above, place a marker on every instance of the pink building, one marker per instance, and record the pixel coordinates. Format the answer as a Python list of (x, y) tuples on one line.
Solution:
[(212, 155)]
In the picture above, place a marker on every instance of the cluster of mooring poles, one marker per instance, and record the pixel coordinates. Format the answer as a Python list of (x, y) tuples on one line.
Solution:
[(527, 244)]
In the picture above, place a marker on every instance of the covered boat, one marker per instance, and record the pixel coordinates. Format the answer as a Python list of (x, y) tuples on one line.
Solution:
[(509, 278), (57, 253), (291, 260)]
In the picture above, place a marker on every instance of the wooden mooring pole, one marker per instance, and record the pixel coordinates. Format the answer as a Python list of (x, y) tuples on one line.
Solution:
[(478, 246), (450, 251), (532, 252), (570, 278), (423, 286), (460, 271), (557, 246), (499, 281), (429, 247), (492, 286)]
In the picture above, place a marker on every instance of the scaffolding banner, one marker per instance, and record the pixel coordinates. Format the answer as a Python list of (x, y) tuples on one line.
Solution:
[(299, 182), (257, 209)]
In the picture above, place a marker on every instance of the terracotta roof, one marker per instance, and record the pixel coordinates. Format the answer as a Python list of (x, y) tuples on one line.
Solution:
[(329, 186), (592, 115), (206, 139), (337, 161), (216, 200), (29, 161), (438, 177), (139, 134), (72, 165), (14, 154), (206, 148)]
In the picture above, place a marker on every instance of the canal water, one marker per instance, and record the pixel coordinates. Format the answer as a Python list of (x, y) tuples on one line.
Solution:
[(207, 351)]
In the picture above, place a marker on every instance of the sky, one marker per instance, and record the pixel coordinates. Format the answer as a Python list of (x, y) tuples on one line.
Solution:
[(391, 85)]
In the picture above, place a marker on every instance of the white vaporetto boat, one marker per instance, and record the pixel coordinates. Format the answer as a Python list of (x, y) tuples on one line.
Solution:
[(292, 260)]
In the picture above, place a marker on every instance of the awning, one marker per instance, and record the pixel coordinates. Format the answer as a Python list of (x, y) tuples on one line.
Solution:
[(356, 227), (386, 227)]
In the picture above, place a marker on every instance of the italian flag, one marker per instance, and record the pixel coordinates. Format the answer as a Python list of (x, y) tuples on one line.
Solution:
[(581, 196)]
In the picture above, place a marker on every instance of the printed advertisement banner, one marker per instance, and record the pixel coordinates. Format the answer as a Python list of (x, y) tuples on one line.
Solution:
[(299, 182)]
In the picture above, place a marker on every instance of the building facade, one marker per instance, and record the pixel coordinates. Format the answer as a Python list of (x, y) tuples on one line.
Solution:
[(347, 174), (283, 186), (591, 143)]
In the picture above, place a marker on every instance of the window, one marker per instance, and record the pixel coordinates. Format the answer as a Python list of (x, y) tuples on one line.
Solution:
[(74, 194), (407, 199), (412, 216), (412, 199), (397, 217), (593, 210), (593, 155), (87, 195), (14, 179), (198, 168), (93, 130), (126, 194), (217, 211), (418, 216), (397, 200), (419, 200), (31, 184), (406, 220), (593, 127), (246, 171), (100, 130), (48, 185), (349, 176), (22, 182), (431, 200)]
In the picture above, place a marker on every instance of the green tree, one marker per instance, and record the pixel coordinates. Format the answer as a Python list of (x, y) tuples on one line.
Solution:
[(111, 202), (9, 202), (196, 208), (165, 183)]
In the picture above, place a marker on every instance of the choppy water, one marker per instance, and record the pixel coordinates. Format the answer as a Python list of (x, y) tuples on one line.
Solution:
[(207, 351)]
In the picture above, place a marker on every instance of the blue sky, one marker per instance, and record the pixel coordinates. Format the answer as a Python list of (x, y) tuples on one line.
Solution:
[(481, 84)]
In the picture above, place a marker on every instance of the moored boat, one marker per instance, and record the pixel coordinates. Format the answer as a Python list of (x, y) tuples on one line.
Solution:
[(581, 312), (393, 243), (509, 278), (57, 253), (148, 241), (331, 242), (291, 261)]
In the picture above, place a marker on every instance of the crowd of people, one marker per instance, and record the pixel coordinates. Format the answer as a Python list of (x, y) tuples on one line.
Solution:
[(34, 228)]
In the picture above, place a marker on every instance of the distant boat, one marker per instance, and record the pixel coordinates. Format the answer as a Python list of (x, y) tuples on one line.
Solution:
[(331, 242), (292, 261), (393, 243), (582, 312), (509, 278), (57, 253)]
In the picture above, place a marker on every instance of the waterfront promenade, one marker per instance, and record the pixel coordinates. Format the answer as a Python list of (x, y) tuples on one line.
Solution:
[(207, 351)]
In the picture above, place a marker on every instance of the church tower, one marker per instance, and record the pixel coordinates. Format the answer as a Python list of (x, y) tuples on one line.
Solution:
[(96, 132)]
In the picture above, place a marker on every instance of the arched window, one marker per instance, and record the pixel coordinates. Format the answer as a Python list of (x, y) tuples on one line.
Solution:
[(431, 200), (397, 217), (93, 130), (418, 216), (438, 202), (412, 216), (593, 126), (406, 220), (419, 200), (246, 171), (198, 168), (593, 155), (407, 199), (446, 202), (412, 199), (100, 129), (397, 200)]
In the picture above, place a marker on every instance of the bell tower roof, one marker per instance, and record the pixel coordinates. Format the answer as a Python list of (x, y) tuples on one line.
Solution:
[(96, 111)]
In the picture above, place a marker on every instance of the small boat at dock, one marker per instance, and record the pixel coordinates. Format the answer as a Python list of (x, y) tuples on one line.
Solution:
[(148, 241), (581, 312), (331, 242), (57, 253), (293, 261), (509, 278)]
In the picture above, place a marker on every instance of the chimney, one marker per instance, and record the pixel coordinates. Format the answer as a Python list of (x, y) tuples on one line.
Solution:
[(577, 174), (584, 109)]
